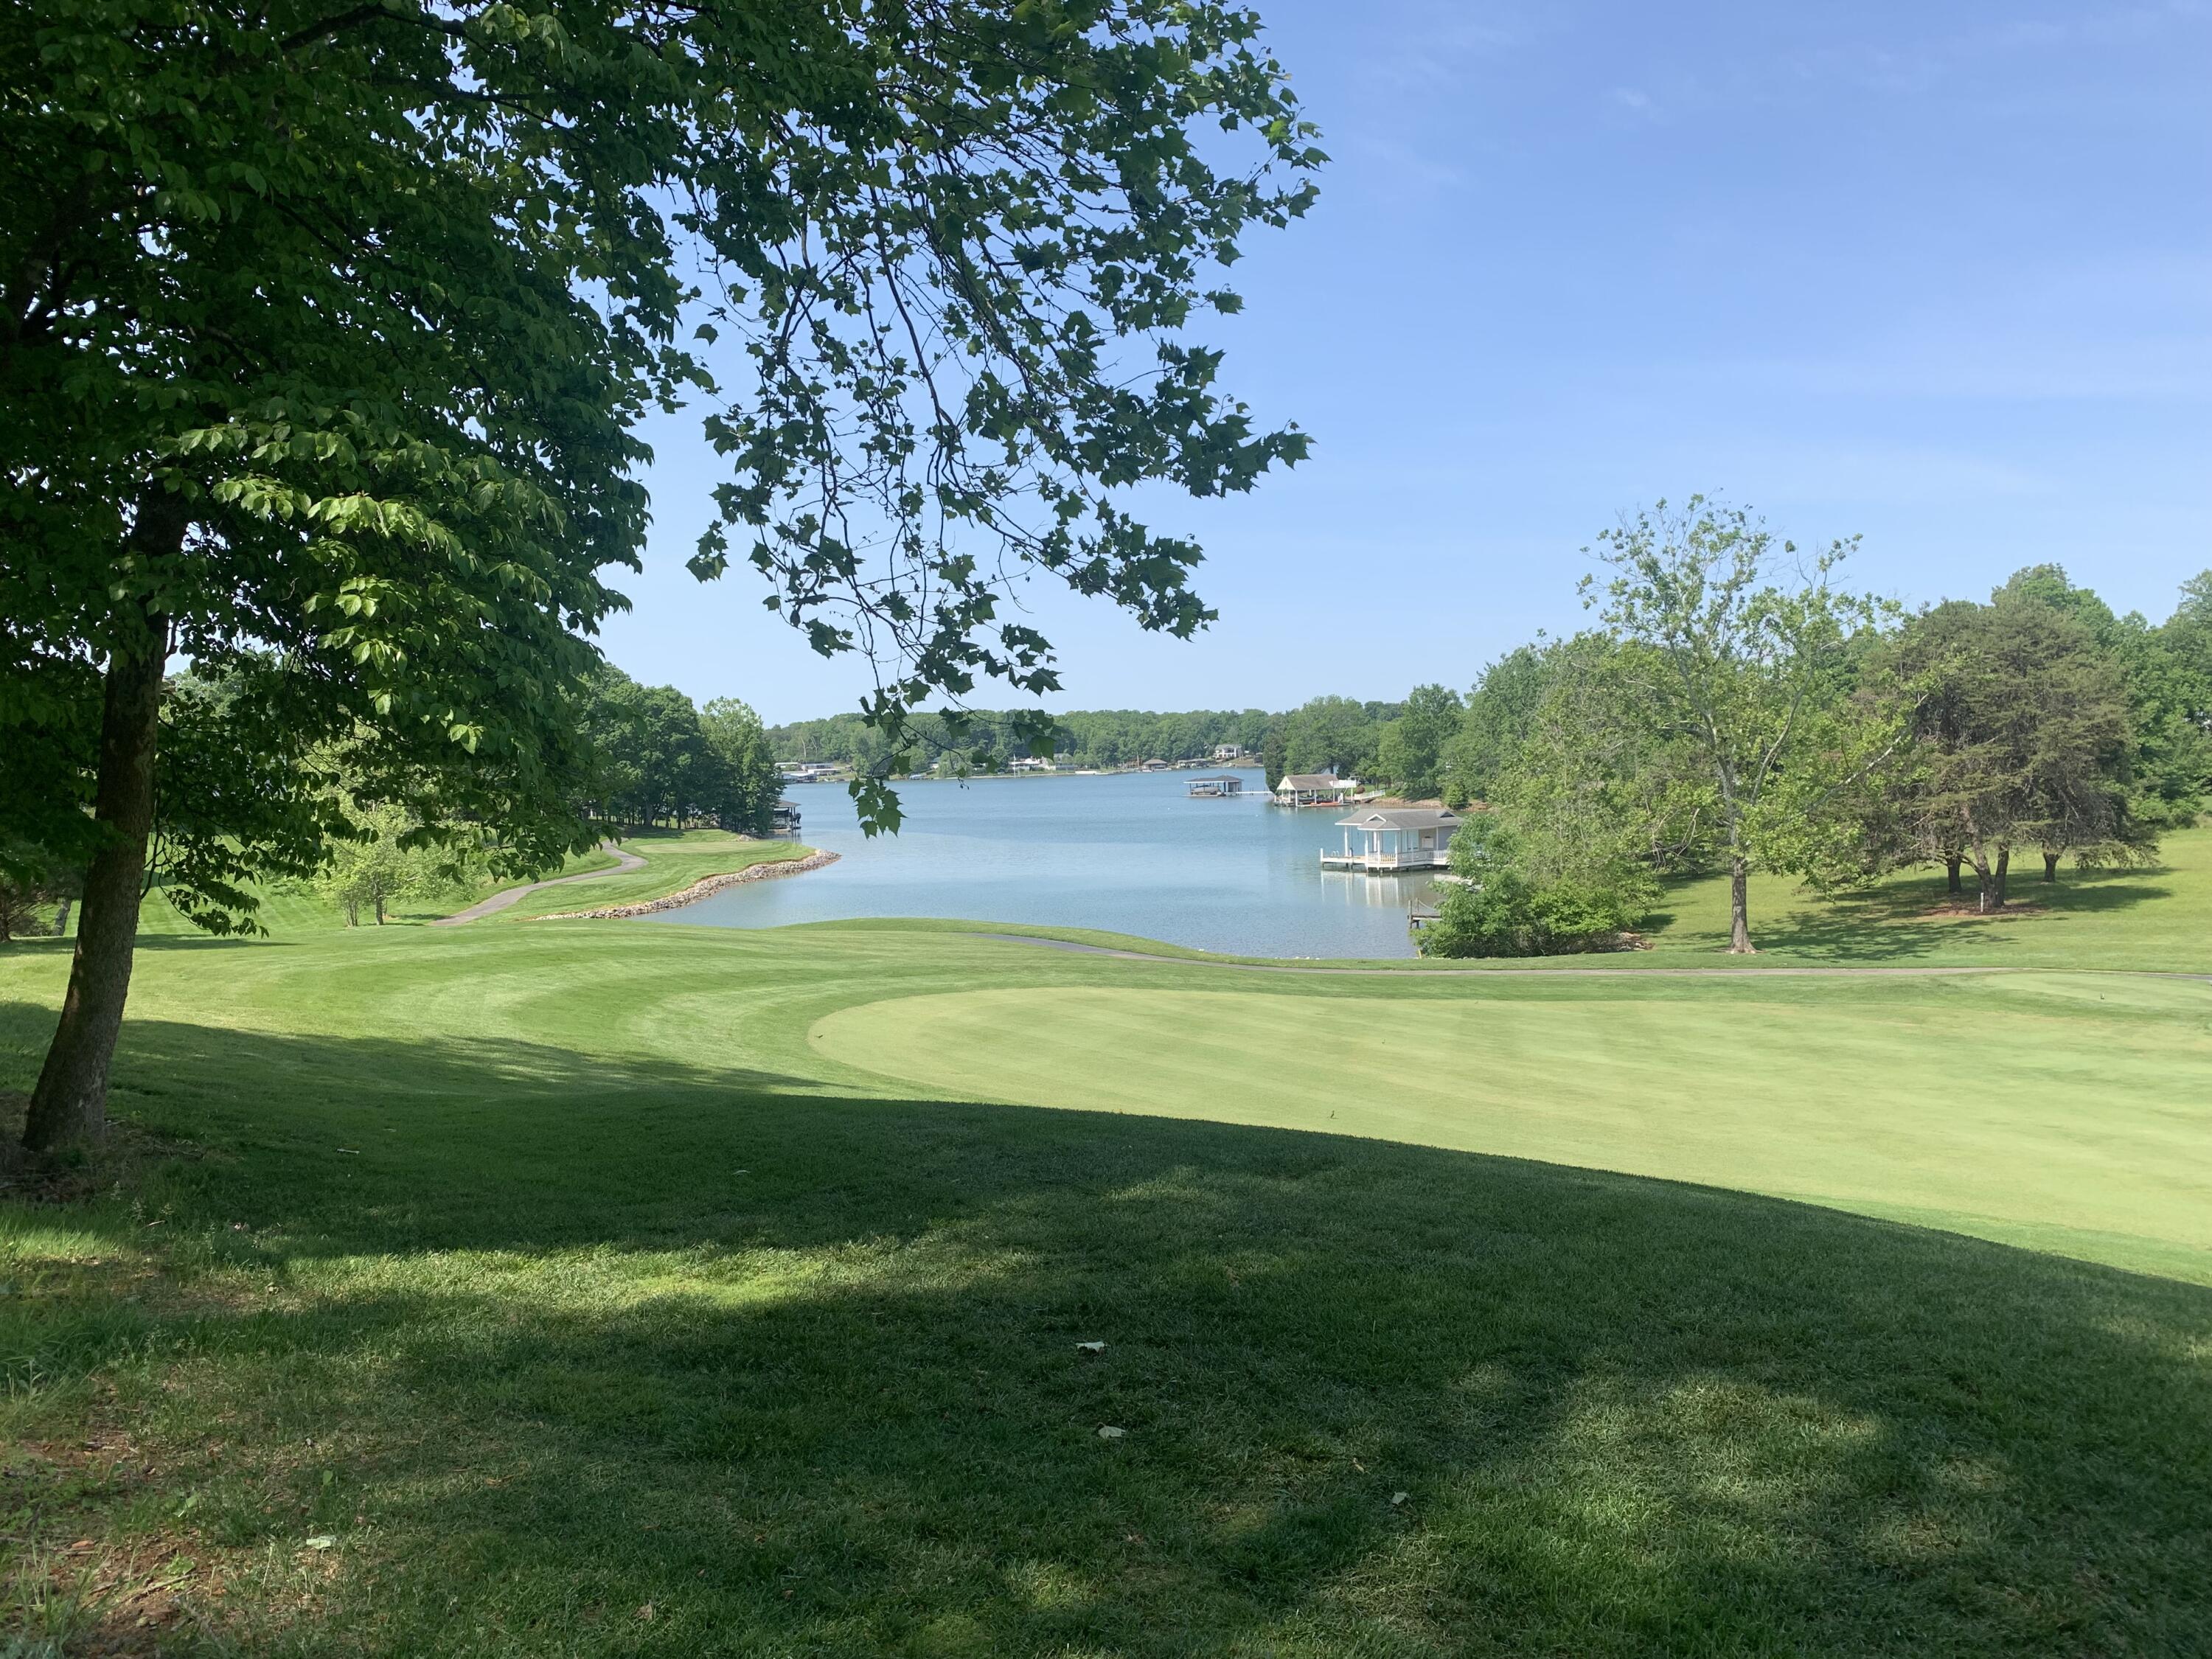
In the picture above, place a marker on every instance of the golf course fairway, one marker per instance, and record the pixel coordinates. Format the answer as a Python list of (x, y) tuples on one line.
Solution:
[(604, 1289)]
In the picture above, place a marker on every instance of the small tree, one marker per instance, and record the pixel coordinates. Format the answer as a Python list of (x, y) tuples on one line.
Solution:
[(1503, 903), (386, 860), (1745, 665)]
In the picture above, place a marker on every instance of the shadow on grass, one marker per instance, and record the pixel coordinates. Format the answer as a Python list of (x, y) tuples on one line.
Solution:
[(1896, 922), (587, 1356)]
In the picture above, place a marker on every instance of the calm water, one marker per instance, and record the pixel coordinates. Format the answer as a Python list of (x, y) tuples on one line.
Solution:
[(1131, 853)]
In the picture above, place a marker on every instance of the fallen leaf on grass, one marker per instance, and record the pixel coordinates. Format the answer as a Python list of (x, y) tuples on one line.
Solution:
[(322, 1541), (1398, 1498), (1108, 1432), (1090, 1347)]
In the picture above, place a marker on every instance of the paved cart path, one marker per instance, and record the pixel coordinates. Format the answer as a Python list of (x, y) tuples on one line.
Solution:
[(499, 902)]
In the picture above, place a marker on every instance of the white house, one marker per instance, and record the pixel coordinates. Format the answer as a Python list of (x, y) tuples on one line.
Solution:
[(1394, 838)]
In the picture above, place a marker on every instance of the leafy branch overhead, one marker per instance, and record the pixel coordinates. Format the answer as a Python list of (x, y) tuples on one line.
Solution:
[(327, 327), (962, 335)]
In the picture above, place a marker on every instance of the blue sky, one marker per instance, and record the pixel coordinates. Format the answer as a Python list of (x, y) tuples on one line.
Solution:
[(1938, 275)]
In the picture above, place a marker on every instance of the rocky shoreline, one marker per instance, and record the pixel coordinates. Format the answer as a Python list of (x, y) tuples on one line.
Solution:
[(699, 890)]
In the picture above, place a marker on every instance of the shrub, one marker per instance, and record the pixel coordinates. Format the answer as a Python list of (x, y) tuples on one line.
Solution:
[(1495, 904)]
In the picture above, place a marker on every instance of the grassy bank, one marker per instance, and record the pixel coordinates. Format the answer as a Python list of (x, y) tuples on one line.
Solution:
[(604, 1288), (674, 860)]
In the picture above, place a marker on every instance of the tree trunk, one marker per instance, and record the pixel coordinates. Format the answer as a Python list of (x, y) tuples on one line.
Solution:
[(2050, 867), (1990, 897), (2004, 863), (1951, 872), (1740, 943), (70, 1103)]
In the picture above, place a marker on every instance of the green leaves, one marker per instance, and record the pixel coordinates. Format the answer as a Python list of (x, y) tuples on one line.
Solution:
[(379, 293)]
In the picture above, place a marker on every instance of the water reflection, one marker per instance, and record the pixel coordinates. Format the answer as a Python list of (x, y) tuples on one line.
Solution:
[(1132, 853)]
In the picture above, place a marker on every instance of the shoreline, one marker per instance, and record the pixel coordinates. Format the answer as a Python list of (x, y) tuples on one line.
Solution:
[(698, 890)]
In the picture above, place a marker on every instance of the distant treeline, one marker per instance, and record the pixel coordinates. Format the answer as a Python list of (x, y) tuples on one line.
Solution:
[(1328, 733)]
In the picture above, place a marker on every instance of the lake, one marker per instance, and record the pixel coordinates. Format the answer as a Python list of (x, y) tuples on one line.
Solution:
[(1128, 852)]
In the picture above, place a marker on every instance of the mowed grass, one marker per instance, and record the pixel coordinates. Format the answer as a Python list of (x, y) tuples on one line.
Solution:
[(296, 908), (2060, 1111), (606, 1288), (2159, 916), (674, 860)]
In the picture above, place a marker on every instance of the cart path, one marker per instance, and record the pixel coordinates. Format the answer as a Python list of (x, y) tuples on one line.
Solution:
[(1560, 973), (500, 901)]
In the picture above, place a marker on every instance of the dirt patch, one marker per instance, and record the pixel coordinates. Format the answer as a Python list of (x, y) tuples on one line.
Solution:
[(117, 1599), (1966, 911)]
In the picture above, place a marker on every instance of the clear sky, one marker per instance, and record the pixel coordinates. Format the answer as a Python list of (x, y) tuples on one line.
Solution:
[(1937, 274)]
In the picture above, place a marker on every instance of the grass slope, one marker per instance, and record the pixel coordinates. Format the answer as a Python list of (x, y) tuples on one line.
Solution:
[(598, 1289), (295, 911), (2047, 1110), (674, 861)]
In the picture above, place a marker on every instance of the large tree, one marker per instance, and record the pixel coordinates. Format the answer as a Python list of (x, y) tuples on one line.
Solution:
[(2167, 755), (327, 325), (1740, 653), (1411, 749), (2020, 739), (1332, 734), (1500, 712), (749, 779)]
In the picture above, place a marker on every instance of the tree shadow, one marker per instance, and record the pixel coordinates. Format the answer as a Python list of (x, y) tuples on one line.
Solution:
[(1905, 919), (589, 1356)]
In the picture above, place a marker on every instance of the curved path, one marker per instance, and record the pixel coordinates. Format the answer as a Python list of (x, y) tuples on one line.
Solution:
[(500, 901)]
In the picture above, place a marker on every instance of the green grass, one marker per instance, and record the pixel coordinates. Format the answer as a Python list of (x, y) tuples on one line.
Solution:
[(2158, 917), (297, 910), (628, 1289), (674, 861)]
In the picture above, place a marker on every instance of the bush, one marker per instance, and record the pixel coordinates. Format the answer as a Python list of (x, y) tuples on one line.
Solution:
[(1494, 905)]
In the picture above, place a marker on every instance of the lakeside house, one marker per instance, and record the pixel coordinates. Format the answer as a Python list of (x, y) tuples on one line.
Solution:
[(1227, 754), (1226, 785), (811, 771), (1313, 789), (1394, 838)]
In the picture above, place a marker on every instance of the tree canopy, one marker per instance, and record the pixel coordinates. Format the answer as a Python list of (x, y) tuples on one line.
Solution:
[(329, 326), (2021, 734), (1740, 663)]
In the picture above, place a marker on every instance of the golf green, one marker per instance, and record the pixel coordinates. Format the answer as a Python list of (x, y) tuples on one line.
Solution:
[(2048, 1110)]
